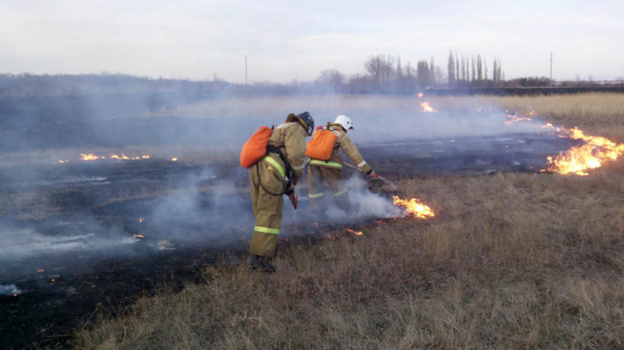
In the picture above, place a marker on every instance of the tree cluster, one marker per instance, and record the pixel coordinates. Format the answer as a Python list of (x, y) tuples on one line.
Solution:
[(473, 72)]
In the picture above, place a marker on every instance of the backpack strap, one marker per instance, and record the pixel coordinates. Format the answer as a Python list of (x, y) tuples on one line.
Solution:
[(289, 171)]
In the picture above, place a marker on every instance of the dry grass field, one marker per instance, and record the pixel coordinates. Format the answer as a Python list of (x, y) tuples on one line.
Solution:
[(511, 261)]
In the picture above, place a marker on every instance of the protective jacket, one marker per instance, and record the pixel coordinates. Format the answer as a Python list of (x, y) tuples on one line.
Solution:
[(343, 142), (330, 172), (289, 138), (269, 179)]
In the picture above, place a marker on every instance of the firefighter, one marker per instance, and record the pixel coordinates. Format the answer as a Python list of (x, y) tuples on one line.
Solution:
[(270, 178), (330, 170)]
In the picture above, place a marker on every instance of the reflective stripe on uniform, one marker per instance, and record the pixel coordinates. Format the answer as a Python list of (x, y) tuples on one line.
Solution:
[(276, 165), (273, 231), (361, 164), (315, 195), (340, 193), (327, 164)]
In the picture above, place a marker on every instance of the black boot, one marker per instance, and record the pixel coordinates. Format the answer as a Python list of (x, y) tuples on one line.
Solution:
[(258, 262)]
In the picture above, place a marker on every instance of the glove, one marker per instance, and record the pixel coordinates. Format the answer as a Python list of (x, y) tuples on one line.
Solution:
[(293, 199)]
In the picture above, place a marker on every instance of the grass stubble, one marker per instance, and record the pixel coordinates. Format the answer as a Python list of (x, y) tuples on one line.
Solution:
[(512, 260)]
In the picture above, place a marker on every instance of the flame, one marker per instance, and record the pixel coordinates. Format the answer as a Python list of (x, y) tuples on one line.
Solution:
[(141, 220), (174, 159), (516, 119), (414, 207), (420, 94), (590, 155), (125, 157), (426, 107), (89, 156), (138, 236), (92, 157), (359, 233)]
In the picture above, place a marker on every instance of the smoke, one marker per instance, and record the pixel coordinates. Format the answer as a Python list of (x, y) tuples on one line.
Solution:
[(208, 206), (9, 289), (92, 210), (367, 204)]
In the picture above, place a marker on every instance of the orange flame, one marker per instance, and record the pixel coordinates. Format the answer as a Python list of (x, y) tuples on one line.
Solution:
[(359, 233), (516, 119), (138, 236), (426, 107), (92, 157), (590, 155), (414, 207), (89, 156), (125, 157)]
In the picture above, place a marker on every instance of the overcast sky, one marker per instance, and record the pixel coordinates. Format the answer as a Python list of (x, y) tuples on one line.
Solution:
[(296, 40)]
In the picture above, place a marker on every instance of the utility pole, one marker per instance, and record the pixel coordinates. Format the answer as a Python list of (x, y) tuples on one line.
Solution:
[(551, 69)]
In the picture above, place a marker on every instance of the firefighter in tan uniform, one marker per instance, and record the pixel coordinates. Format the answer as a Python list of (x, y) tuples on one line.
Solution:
[(331, 170), (270, 178)]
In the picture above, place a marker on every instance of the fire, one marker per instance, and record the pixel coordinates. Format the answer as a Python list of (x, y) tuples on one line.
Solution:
[(138, 236), (174, 159), (89, 156), (420, 94), (516, 119), (359, 233), (426, 107), (590, 155), (125, 157), (414, 207)]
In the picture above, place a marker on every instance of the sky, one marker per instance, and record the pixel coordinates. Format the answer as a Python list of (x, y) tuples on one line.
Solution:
[(285, 41)]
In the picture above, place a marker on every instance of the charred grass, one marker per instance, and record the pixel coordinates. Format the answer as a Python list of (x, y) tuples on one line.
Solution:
[(511, 261)]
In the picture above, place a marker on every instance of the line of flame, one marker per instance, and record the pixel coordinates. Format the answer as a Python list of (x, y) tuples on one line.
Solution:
[(414, 207), (359, 233), (590, 155)]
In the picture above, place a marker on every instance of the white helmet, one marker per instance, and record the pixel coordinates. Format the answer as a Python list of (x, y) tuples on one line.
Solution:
[(344, 121)]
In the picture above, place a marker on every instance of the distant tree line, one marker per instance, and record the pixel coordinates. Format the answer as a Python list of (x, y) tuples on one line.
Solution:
[(22, 85), (383, 74), (473, 72)]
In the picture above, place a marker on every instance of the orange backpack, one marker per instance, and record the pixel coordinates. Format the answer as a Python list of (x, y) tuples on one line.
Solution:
[(321, 145), (256, 147)]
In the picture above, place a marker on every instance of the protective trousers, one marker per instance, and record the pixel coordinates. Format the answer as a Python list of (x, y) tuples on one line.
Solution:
[(268, 204), (333, 177)]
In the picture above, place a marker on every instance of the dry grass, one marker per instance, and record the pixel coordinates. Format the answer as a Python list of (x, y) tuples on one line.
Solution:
[(512, 261)]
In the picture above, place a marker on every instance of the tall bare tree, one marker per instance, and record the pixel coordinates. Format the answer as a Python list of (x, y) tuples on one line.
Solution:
[(331, 78), (451, 69), (381, 68)]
